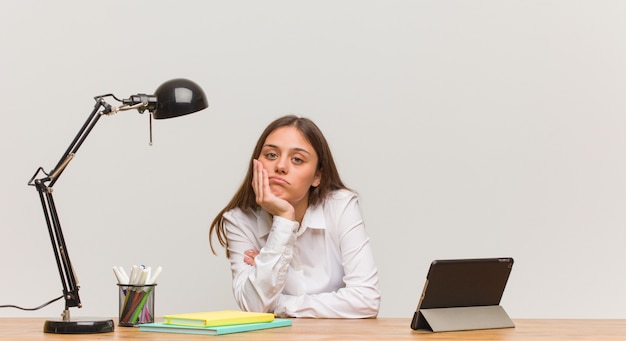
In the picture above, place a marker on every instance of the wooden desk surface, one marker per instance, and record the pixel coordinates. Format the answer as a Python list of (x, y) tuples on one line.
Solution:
[(347, 330)]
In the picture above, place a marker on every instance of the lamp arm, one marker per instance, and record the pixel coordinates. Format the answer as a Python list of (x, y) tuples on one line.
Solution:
[(80, 138), (44, 187)]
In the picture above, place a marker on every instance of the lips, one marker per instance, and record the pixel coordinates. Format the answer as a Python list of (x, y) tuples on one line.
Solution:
[(277, 180)]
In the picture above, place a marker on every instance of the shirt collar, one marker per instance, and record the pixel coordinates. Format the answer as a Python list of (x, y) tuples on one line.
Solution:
[(313, 219)]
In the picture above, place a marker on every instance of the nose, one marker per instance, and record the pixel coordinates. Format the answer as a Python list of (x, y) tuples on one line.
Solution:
[(281, 166)]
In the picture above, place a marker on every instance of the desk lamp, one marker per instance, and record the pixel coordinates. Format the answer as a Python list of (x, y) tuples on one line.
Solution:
[(173, 98)]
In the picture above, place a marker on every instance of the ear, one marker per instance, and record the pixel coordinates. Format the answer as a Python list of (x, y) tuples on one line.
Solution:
[(317, 179)]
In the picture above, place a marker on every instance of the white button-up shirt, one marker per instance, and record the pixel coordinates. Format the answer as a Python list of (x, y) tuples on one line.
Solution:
[(324, 268)]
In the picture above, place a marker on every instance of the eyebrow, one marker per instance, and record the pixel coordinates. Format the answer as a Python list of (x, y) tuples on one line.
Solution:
[(297, 149)]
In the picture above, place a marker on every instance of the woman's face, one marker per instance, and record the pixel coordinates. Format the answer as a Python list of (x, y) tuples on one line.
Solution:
[(291, 164)]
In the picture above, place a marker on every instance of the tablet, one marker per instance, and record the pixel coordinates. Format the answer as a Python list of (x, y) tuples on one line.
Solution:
[(463, 283)]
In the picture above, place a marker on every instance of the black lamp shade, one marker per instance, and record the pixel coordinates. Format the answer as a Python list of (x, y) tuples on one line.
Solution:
[(179, 97)]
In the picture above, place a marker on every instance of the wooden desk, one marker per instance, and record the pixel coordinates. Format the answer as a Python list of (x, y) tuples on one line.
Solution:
[(347, 330)]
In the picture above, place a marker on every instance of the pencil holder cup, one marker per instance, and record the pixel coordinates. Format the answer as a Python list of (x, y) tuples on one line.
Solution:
[(136, 304)]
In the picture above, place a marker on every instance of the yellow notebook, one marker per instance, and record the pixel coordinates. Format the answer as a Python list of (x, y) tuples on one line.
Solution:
[(217, 318)]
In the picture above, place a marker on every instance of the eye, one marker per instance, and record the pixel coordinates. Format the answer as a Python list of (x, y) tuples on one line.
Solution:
[(297, 160), (271, 156)]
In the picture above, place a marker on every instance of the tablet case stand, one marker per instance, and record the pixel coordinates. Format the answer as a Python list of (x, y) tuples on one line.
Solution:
[(463, 318)]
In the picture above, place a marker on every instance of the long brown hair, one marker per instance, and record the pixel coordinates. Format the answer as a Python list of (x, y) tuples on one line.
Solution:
[(244, 198)]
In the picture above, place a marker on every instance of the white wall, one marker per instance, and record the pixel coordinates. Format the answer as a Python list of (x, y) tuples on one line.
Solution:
[(470, 129)]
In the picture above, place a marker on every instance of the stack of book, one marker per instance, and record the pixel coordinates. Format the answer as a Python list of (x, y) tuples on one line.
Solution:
[(215, 323)]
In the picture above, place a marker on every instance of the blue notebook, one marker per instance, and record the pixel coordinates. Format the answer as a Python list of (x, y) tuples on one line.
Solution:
[(236, 328)]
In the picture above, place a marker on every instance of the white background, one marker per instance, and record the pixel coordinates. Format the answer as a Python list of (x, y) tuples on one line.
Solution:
[(469, 128)]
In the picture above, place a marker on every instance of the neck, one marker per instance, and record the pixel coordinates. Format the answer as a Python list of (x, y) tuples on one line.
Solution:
[(300, 209)]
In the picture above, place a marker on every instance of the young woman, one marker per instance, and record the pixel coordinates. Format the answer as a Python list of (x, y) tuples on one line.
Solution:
[(293, 232)]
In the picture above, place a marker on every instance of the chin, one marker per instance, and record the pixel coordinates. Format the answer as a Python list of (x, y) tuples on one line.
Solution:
[(279, 193)]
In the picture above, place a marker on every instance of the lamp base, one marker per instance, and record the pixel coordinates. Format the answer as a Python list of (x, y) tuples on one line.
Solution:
[(78, 326)]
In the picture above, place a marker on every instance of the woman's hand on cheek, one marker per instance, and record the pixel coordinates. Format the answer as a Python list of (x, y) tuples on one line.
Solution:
[(264, 196)]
